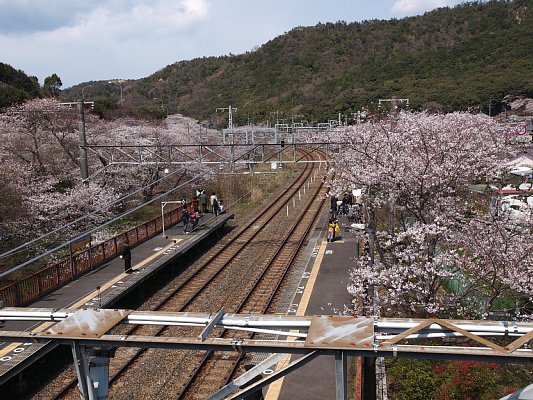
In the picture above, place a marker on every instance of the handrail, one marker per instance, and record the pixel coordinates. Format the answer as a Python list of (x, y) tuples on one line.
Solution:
[(56, 275)]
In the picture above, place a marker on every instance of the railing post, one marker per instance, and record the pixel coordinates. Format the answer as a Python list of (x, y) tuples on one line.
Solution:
[(39, 284), (18, 296), (90, 256), (71, 261), (103, 251)]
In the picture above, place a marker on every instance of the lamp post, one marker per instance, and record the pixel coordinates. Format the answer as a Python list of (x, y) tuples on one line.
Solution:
[(83, 92), (119, 82), (84, 164)]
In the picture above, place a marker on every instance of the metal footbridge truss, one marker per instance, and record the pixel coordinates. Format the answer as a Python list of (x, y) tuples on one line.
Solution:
[(86, 331), (243, 154)]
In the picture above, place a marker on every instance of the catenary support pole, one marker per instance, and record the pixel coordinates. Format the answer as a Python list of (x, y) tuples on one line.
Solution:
[(83, 143)]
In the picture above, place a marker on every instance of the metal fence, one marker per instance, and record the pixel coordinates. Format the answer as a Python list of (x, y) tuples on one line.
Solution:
[(53, 276)]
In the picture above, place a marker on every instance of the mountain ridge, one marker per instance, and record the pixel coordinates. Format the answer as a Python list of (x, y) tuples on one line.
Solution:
[(469, 57)]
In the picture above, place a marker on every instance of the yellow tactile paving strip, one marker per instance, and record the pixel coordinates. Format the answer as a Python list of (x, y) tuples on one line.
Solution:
[(174, 240), (274, 389)]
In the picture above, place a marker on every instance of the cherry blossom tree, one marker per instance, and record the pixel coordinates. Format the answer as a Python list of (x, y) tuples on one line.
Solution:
[(439, 249), (39, 154)]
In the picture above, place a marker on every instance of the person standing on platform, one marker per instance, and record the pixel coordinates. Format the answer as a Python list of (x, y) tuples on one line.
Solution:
[(194, 217), (337, 231), (216, 208), (203, 200), (212, 200), (331, 231), (333, 209), (126, 256), (195, 202), (185, 219)]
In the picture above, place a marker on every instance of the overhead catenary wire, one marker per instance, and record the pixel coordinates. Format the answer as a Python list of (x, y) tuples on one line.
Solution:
[(84, 234)]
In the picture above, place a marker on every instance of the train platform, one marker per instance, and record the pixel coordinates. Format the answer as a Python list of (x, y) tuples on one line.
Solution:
[(107, 285), (322, 290)]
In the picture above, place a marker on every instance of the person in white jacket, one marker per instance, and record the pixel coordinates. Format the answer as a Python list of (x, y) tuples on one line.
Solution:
[(212, 201)]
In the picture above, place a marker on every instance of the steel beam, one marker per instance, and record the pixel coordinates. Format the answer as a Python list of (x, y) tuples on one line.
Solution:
[(367, 337), (211, 325), (247, 377), (300, 362)]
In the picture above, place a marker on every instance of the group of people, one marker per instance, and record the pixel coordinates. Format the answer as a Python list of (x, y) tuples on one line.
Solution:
[(351, 206), (192, 218), (199, 206), (200, 203), (341, 206), (216, 205)]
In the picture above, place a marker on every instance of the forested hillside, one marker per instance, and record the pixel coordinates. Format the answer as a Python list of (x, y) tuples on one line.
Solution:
[(16, 86), (464, 58)]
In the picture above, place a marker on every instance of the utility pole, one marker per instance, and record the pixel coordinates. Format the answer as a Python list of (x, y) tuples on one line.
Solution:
[(83, 143), (84, 164), (230, 116)]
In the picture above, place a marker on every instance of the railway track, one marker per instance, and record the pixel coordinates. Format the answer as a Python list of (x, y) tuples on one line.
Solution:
[(242, 276), (217, 369)]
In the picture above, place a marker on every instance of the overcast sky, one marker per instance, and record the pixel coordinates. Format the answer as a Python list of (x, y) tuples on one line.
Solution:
[(84, 40)]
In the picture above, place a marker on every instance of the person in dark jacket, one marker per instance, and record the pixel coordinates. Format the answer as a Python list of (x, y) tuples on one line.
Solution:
[(126, 256), (185, 219), (203, 201), (216, 207), (333, 210)]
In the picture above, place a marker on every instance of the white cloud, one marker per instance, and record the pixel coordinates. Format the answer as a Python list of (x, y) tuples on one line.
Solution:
[(410, 7), (112, 39), (30, 16)]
